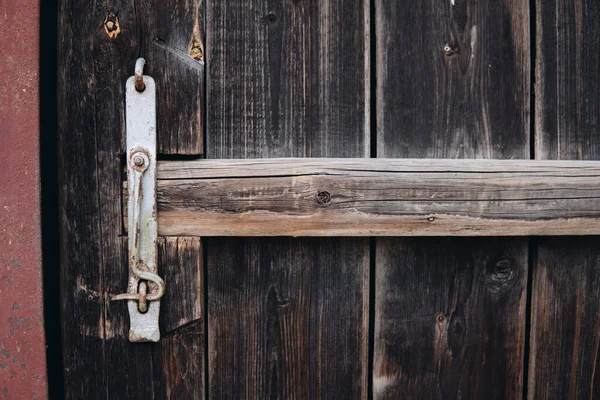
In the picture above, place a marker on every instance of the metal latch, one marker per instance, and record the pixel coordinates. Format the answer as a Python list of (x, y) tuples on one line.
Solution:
[(145, 287)]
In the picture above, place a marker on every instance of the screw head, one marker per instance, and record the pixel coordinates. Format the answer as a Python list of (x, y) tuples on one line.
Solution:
[(138, 160), (449, 50)]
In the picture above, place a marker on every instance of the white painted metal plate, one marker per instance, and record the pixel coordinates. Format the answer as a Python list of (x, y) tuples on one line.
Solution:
[(140, 114)]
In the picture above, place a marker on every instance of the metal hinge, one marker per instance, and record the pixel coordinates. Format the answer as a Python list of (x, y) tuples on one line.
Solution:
[(145, 287)]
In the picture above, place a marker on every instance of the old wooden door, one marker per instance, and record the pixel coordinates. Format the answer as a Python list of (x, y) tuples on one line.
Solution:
[(339, 317)]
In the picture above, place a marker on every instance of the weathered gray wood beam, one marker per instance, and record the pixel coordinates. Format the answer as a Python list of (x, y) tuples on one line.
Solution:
[(378, 197)]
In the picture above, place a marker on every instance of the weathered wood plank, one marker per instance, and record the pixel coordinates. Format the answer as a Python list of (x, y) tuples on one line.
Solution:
[(291, 312), (447, 310), (382, 198), (287, 318), (378, 197), (91, 72), (94, 62), (565, 331), (373, 167), (179, 365), (172, 41), (174, 367), (180, 263), (288, 79), (470, 101), (565, 325), (453, 79)]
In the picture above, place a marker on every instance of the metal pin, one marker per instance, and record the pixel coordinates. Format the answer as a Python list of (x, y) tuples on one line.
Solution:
[(143, 290), (140, 86)]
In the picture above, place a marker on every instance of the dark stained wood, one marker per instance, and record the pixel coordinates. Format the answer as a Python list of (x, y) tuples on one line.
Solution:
[(565, 325), (458, 335), (179, 360), (470, 103), (180, 263), (287, 317), (567, 85), (99, 361), (173, 44), (174, 367), (378, 197), (565, 331), (287, 79), (449, 320)]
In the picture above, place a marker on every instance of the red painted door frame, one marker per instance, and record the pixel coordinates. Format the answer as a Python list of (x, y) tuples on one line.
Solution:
[(23, 371)]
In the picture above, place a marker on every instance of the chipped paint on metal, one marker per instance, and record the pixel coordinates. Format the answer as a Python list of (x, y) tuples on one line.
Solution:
[(140, 114)]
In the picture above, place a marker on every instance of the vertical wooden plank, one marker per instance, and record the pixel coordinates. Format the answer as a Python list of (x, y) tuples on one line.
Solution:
[(287, 79), (179, 361), (449, 318), (287, 317), (566, 301), (82, 241), (450, 313), (172, 40), (471, 101), (94, 62)]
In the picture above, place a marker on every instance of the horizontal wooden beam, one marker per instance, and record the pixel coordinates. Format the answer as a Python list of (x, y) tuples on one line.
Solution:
[(378, 197)]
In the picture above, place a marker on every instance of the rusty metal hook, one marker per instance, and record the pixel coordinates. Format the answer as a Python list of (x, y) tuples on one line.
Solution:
[(139, 160), (139, 84)]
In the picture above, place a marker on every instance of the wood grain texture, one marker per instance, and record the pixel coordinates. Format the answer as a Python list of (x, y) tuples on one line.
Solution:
[(567, 86), (565, 332), (287, 314), (180, 263), (469, 103), (287, 318), (565, 327), (91, 69), (378, 197), (174, 367), (173, 44), (288, 79), (449, 318), (99, 361)]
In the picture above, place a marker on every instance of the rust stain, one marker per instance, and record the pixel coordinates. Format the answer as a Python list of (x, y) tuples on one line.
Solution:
[(112, 26)]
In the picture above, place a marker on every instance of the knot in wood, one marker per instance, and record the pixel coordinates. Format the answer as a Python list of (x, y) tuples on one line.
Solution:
[(111, 25), (323, 197), (500, 276), (450, 49)]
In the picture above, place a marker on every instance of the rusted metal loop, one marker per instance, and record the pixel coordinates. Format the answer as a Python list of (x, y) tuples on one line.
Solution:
[(139, 159), (147, 276), (142, 302), (152, 277), (139, 84)]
